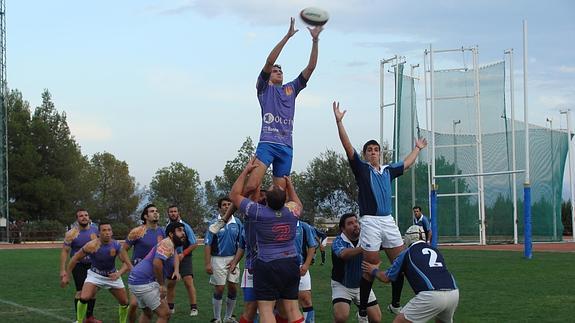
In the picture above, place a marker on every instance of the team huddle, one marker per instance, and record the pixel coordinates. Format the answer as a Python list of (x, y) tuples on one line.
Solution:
[(264, 226)]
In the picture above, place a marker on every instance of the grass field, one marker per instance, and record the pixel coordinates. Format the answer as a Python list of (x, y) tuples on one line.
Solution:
[(495, 286)]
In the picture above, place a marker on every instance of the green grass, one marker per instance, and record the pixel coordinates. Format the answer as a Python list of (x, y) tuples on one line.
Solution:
[(495, 286)]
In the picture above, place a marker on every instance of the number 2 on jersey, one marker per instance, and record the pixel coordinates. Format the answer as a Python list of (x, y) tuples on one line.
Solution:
[(432, 257)]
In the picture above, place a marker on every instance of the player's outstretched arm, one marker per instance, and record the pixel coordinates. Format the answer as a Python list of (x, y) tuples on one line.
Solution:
[(291, 194), (308, 70), (275, 53), (341, 130), (410, 159), (236, 191), (374, 271)]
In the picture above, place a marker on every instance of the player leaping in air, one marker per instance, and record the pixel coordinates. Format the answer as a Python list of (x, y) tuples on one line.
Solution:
[(277, 102)]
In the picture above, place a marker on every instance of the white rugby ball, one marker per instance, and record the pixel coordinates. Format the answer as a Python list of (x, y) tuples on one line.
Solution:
[(314, 16)]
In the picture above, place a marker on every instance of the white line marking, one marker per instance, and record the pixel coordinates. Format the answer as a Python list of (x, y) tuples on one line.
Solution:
[(36, 310)]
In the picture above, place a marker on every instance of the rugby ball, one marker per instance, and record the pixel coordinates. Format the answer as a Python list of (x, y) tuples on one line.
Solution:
[(314, 16)]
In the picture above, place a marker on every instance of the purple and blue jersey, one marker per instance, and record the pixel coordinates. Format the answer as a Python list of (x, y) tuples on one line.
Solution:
[(346, 272), (143, 272), (304, 239), (76, 238), (143, 240), (374, 194), (424, 268), (103, 256), (226, 242), (278, 108), (275, 230)]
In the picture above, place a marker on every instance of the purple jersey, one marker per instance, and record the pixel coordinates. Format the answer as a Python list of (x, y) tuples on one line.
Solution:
[(143, 240), (103, 256), (143, 272), (275, 230), (278, 108), (76, 238)]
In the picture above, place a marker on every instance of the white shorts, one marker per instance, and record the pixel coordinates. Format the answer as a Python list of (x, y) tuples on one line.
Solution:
[(429, 304), (148, 295), (379, 231), (247, 280), (305, 282), (221, 274), (103, 281), (350, 294), (324, 242)]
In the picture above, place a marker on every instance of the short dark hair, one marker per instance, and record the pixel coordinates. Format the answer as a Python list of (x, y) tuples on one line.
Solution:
[(276, 198), (104, 223), (278, 66), (221, 200), (344, 218), (416, 207), (371, 142), (172, 206), (145, 211), (171, 228)]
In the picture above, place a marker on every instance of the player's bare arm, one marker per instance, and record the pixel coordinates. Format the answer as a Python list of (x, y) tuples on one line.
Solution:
[(314, 51), (348, 253), (291, 193), (374, 271), (308, 259), (126, 265), (208, 259), (338, 114), (158, 265), (64, 254), (236, 191), (410, 159), (275, 53), (233, 263)]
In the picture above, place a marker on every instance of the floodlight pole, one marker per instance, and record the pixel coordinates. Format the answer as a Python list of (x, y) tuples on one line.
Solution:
[(527, 244), (513, 156), (567, 114)]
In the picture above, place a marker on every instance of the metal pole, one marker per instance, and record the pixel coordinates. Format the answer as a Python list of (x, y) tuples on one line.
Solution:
[(456, 122), (513, 157), (396, 137), (433, 197), (552, 152), (527, 185), (567, 114), (413, 135), (427, 125), (381, 104), (481, 197)]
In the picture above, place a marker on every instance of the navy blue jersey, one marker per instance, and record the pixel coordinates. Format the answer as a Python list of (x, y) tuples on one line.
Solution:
[(374, 187), (304, 239), (346, 272), (424, 268), (320, 234)]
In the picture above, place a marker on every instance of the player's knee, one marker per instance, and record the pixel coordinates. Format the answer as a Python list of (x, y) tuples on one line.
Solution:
[(340, 317)]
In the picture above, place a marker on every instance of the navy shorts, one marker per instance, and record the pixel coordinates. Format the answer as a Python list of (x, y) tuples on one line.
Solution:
[(277, 279), (278, 155), (80, 272)]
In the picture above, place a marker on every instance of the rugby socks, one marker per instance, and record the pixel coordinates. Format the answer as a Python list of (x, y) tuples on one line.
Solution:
[(244, 320), (396, 288), (171, 306), (91, 304), (280, 319), (230, 304), (123, 313), (192, 306), (323, 257), (301, 320), (364, 291), (217, 302), (81, 308), (76, 300), (309, 314)]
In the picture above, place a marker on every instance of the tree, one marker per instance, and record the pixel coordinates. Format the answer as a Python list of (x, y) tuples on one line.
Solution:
[(114, 196), (180, 185)]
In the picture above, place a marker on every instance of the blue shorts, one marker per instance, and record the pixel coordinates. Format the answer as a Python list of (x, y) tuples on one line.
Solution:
[(249, 295), (277, 279), (280, 156)]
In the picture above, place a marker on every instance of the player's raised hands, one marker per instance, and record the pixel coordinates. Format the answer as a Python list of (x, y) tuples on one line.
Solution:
[(315, 31), (292, 29), (421, 143), (337, 113)]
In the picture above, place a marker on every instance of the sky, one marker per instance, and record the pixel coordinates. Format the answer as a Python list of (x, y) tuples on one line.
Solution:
[(156, 82)]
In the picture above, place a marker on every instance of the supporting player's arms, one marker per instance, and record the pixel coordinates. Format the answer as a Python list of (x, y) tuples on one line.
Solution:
[(341, 130), (291, 194), (236, 191), (275, 53), (410, 159), (374, 271)]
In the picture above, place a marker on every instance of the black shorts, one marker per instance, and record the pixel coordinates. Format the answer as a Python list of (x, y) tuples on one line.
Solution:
[(277, 279), (186, 266), (80, 272)]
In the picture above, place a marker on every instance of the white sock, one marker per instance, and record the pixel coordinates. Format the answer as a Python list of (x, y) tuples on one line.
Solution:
[(230, 304), (217, 308)]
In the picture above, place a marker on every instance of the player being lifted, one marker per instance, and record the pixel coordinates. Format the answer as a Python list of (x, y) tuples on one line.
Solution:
[(277, 102)]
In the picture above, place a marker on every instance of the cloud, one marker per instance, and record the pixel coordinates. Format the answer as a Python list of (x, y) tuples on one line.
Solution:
[(89, 129), (567, 69)]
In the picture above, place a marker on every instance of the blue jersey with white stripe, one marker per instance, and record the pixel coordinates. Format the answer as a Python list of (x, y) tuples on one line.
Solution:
[(374, 194), (422, 222), (226, 241), (424, 268), (346, 272), (304, 239)]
